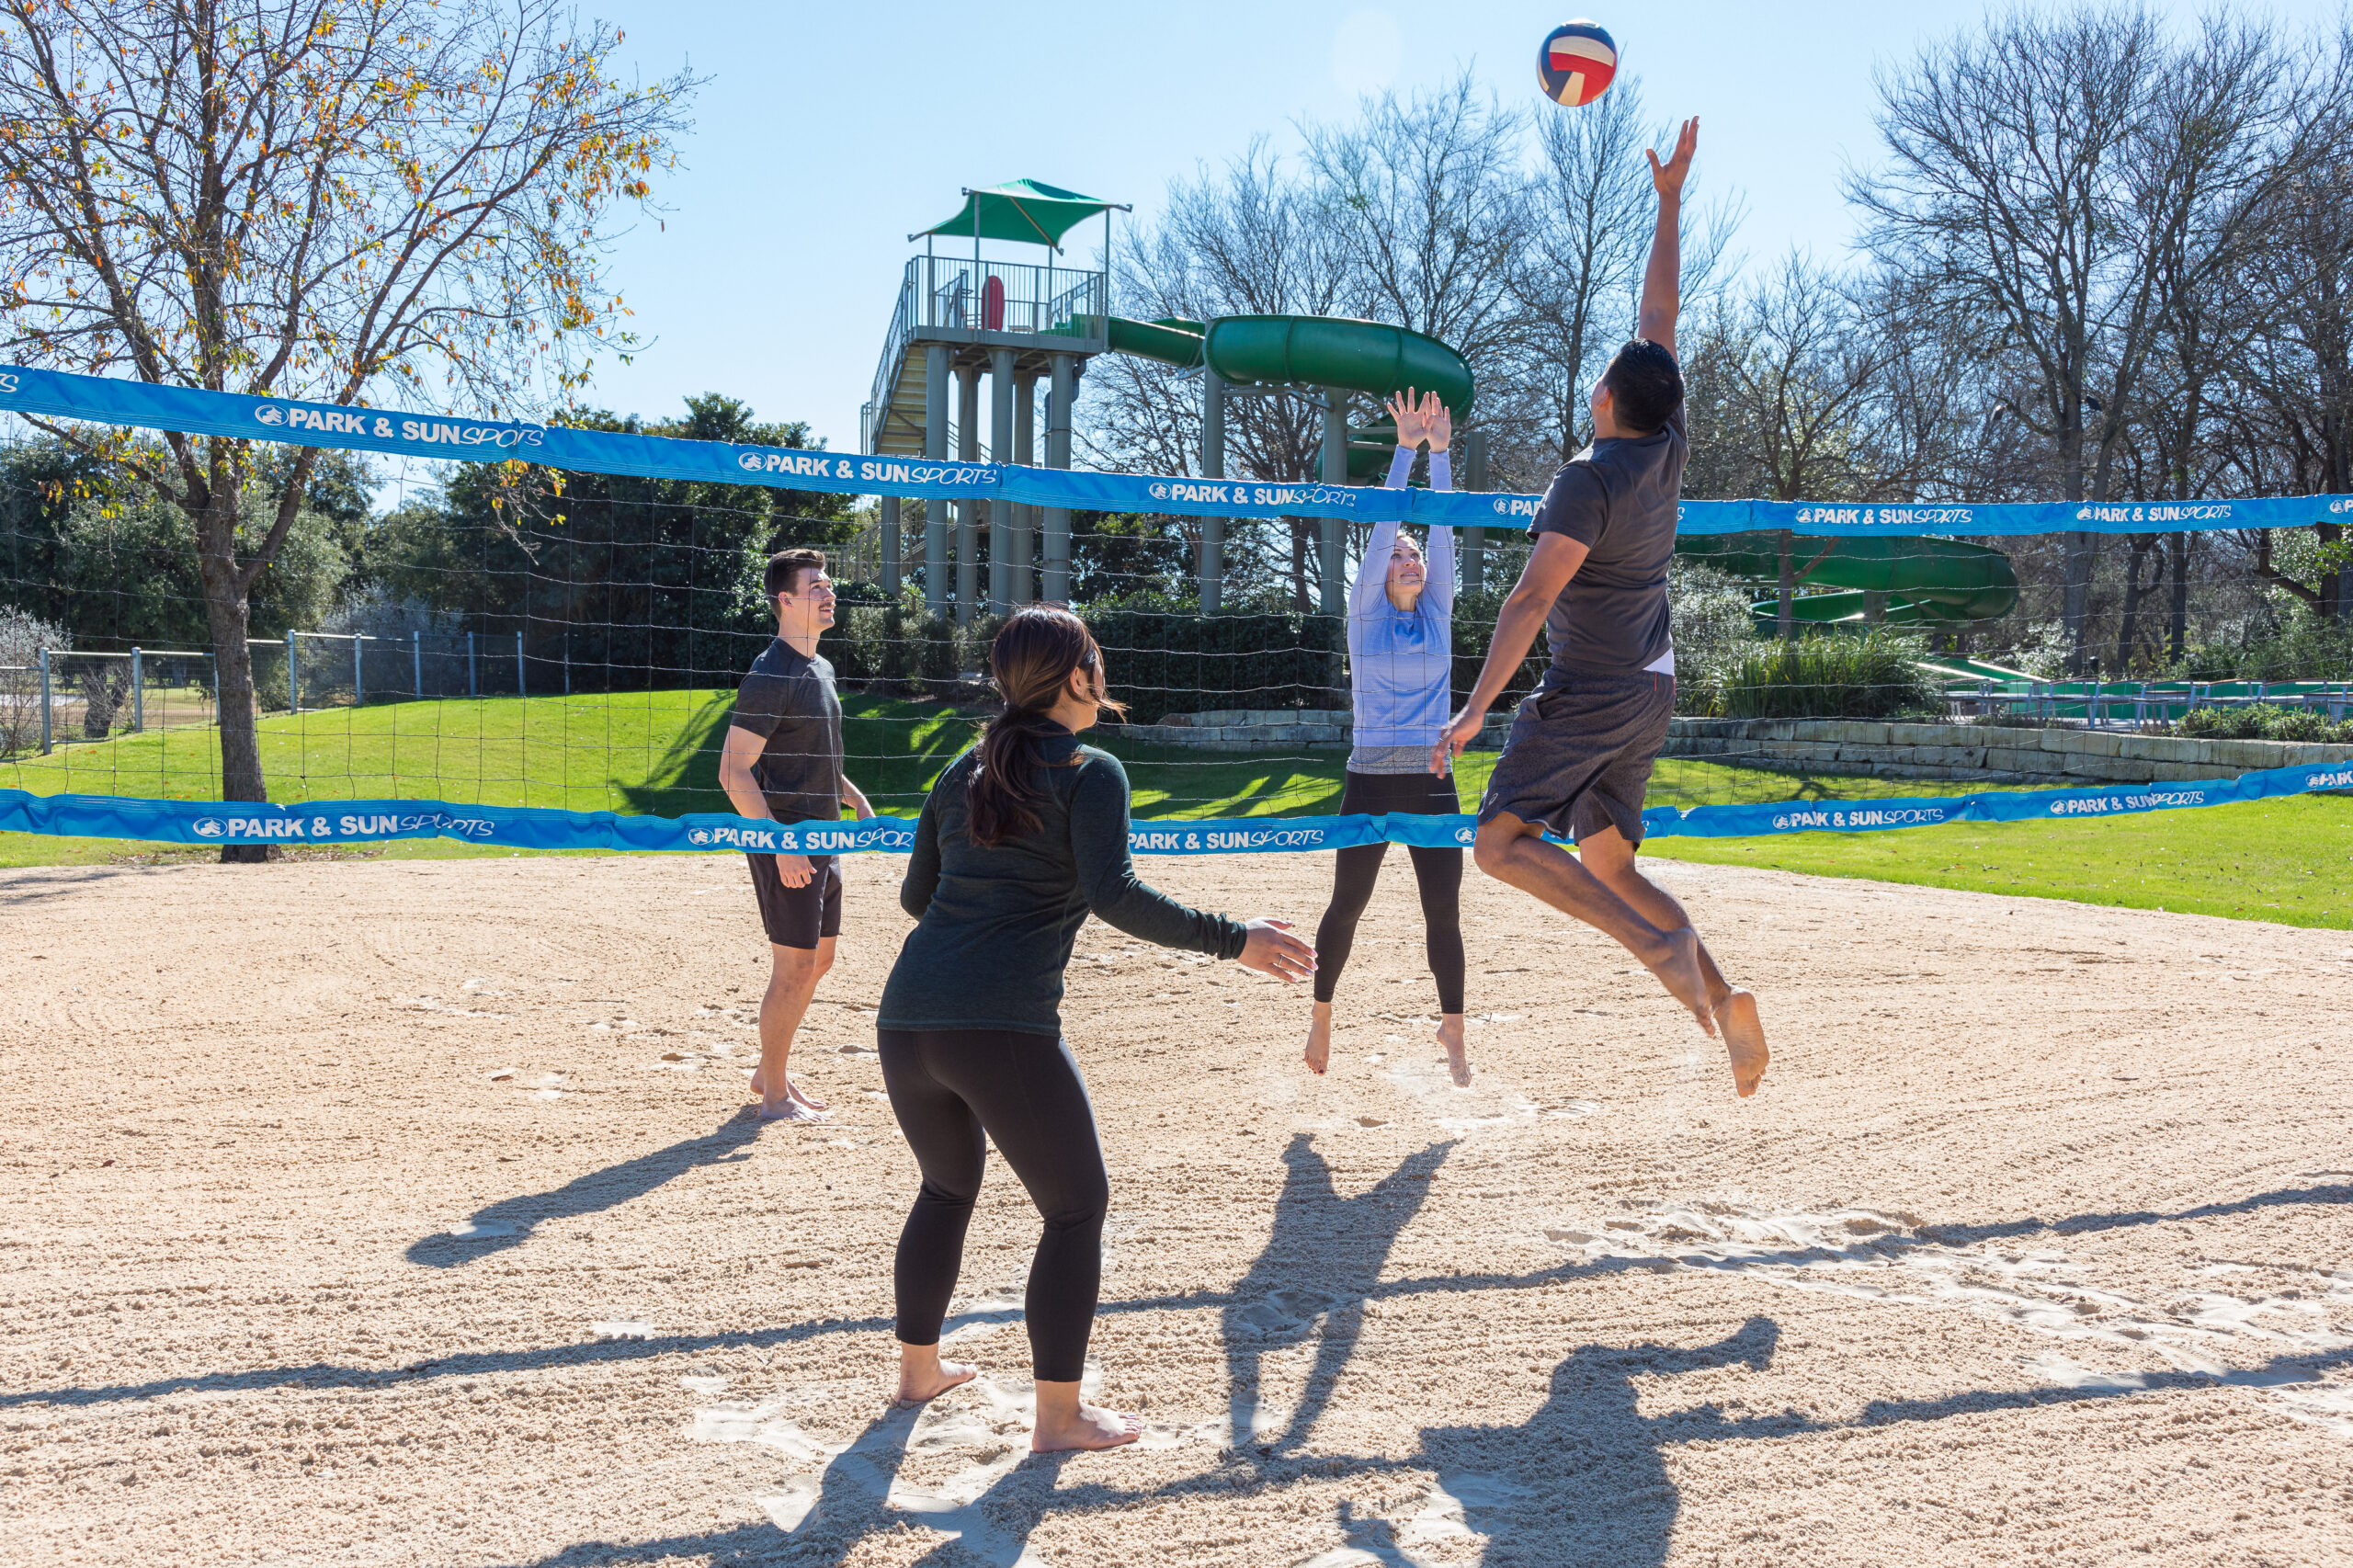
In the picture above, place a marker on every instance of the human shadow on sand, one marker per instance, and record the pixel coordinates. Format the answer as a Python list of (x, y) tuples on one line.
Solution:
[(510, 1222), (1323, 1260), (1583, 1481)]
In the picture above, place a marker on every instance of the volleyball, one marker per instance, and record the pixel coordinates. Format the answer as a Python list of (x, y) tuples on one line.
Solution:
[(1576, 62)]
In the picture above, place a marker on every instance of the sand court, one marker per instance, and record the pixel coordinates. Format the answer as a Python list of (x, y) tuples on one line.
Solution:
[(406, 1212)]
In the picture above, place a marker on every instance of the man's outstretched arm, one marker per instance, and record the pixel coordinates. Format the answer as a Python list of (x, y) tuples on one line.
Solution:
[(1663, 278)]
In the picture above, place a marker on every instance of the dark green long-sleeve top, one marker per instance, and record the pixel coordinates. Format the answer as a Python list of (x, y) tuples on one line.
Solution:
[(995, 927)]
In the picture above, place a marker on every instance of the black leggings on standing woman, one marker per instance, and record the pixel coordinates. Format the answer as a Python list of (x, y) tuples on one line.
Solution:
[(947, 1087), (1436, 872)]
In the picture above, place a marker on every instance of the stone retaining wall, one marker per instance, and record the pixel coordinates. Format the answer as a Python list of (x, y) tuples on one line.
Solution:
[(1969, 752), (1982, 754)]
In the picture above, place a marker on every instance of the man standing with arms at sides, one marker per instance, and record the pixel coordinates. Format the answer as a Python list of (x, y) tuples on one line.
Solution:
[(782, 761), (1582, 745)]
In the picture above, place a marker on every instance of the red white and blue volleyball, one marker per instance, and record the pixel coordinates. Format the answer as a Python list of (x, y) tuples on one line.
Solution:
[(1576, 62)]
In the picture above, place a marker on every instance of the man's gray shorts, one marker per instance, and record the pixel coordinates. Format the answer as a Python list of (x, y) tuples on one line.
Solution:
[(1580, 753)]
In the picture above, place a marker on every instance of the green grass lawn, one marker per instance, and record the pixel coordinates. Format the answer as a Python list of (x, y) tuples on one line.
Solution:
[(2288, 860)]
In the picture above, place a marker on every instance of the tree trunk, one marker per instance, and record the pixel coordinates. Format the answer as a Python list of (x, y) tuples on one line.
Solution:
[(2128, 631), (1786, 616), (2177, 546), (230, 617)]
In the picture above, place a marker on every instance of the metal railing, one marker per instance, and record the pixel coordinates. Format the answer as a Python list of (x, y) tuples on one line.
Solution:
[(961, 294), (2100, 704)]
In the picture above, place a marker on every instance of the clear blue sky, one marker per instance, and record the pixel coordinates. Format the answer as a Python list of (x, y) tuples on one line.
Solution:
[(830, 130)]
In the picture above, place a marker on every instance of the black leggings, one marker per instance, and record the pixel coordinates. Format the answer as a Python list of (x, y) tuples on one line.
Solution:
[(1436, 872), (948, 1087)]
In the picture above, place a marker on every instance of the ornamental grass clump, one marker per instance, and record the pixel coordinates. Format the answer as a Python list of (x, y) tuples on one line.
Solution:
[(1872, 674)]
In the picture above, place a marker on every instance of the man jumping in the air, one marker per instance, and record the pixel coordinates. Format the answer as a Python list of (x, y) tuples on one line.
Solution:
[(1582, 745), (783, 760)]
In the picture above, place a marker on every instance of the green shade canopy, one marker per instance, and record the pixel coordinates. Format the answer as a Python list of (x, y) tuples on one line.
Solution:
[(1027, 211)]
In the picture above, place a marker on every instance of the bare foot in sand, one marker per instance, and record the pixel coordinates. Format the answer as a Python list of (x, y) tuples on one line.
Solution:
[(1678, 969), (1450, 1035), (1743, 1034), (1319, 1036), (1084, 1426), (792, 1091), (924, 1376), (788, 1109)]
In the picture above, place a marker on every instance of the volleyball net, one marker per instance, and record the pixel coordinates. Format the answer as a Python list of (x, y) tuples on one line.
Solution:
[(543, 649)]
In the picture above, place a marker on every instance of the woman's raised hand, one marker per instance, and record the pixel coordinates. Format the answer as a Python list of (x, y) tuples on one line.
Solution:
[(1412, 426), (1272, 950), (1437, 425)]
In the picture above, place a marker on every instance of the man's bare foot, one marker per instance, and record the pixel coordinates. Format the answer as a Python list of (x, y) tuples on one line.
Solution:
[(1678, 969), (1319, 1036), (788, 1110), (1089, 1427), (1743, 1034), (926, 1377), (1450, 1035)]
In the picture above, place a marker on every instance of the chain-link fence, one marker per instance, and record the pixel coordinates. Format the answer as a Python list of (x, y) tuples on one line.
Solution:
[(66, 696)]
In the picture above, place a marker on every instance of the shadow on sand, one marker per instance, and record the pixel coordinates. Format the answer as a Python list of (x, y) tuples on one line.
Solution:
[(510, 1222)]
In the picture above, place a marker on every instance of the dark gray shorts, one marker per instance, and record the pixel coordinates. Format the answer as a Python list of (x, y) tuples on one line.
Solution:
[(1579, 757), (803, 917)]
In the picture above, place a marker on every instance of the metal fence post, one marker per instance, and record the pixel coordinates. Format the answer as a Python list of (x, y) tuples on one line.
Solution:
[(416, 660), (567, 664), (359, 691), (44, 702), (293, 678), (138, 693), (473, 687), (521, 686)]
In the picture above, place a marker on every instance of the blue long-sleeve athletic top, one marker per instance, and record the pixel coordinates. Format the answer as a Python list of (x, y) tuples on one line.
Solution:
[(1400, 663)]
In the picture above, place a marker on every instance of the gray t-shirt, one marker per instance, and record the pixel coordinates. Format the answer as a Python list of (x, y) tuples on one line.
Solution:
[(788, 700), (1619, 499)]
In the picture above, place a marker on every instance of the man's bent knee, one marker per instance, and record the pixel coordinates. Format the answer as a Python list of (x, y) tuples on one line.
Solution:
[(1492, 848)]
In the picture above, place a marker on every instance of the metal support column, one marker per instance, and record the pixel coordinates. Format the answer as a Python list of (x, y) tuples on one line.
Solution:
[(522, 686), (416, 660), (43, 656), (1474, 553), (473, 687), (138, 693), (358, 687), (935, 513), (1212, 564), (1332, 532), (1000, 525), (1022, 586), (1062, 389), (967, 522), (891, 547), (293, 678)]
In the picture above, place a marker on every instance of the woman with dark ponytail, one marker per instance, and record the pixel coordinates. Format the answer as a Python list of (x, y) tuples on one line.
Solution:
[(1022, 837)]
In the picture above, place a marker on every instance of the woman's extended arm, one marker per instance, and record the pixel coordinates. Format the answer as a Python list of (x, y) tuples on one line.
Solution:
[(1106, 873)]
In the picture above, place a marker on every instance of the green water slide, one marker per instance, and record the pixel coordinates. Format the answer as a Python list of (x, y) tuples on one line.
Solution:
[(1364, 357), (1911, 580)]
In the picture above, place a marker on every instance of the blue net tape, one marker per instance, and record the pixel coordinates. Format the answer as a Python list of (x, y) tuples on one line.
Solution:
[(539, 828)]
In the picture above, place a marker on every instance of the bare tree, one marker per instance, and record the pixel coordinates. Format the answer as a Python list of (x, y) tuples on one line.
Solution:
[(324, 200), (2038, 172)]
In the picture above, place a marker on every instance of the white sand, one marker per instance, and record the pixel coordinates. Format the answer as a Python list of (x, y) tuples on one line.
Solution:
[(404, 1213)]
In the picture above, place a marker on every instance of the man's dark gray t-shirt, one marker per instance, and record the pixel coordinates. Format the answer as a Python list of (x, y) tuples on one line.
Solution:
[(1619, 499), (789, 698)]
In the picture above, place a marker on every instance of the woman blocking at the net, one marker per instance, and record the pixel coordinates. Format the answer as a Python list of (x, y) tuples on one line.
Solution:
[(1400, 661), (1022, 837)]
